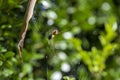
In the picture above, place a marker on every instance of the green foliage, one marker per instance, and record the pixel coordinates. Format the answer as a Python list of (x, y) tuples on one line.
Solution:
[(96, 58), (67, 78), (86, 48)]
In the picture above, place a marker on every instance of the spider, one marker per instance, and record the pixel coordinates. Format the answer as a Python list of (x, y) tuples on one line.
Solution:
[(52, 34)]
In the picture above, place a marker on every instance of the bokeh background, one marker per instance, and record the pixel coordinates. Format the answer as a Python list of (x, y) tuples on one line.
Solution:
[(86, 48)]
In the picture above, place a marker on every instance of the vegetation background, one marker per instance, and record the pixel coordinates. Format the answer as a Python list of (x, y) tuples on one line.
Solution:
[(86, 48)]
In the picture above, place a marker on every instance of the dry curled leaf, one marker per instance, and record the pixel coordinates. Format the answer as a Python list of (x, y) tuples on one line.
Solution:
[(28, 15)]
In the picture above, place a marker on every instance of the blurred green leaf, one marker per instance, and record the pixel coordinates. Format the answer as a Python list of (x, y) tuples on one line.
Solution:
[(27, 68), (7, 72), (2, 49), (9, 54), (1, 63)]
